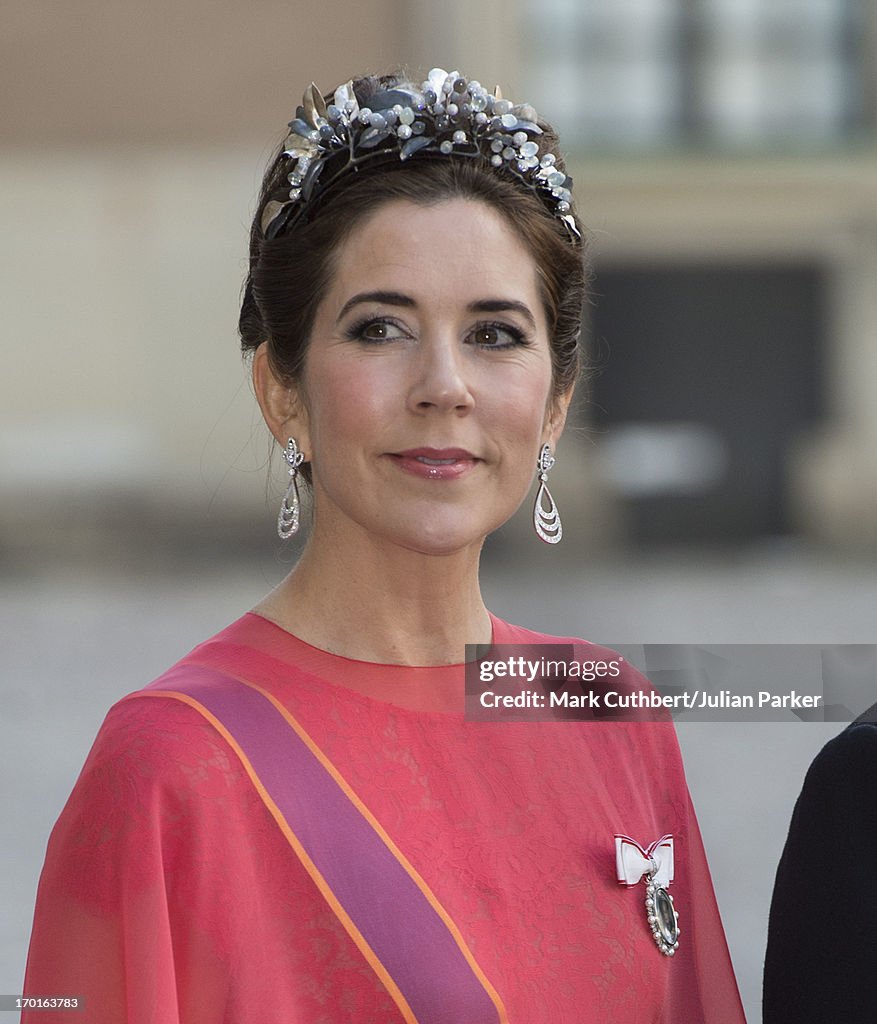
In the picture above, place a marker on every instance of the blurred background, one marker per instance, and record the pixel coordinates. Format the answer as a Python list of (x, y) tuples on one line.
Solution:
[(718, 483)]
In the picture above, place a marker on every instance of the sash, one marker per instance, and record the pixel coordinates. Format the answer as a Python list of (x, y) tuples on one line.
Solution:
[(388, 910)]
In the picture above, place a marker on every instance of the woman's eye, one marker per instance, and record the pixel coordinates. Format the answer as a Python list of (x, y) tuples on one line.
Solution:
[(375, 332), (378, 330), (496, 336)]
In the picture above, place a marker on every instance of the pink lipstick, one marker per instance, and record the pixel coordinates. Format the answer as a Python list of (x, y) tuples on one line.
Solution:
[(435, 463)]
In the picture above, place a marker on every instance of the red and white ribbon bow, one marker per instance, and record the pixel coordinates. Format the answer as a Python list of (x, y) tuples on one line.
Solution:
[(632, 862)]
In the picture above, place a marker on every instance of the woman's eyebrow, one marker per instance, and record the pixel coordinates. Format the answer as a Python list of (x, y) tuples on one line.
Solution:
[(503, 306), (386, 298)]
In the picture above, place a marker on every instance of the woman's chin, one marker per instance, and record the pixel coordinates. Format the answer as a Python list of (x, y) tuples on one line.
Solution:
[(440, 537)]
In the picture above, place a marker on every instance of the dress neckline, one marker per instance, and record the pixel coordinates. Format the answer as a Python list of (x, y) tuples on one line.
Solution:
[(431, 688)]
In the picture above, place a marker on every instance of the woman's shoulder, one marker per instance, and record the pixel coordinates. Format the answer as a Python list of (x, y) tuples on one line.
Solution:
[(159, 784), (152, 728), (150, 739), (508, 633), (580, 649)]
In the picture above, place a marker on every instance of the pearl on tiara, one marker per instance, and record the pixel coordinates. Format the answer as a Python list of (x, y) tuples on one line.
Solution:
[(450, 115)]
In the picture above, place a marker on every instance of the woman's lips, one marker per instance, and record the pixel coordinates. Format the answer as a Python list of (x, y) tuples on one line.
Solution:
[(435, 463)]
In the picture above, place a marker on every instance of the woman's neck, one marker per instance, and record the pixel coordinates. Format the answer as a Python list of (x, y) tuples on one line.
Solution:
[(362, 598)]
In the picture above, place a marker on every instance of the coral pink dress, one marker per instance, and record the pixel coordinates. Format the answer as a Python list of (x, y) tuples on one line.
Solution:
[(273, 833)]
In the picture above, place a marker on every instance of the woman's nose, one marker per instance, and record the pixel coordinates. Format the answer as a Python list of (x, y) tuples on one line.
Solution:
[(440, 380)]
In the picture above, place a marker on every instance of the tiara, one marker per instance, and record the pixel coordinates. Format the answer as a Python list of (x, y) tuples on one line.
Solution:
[(450, 116)]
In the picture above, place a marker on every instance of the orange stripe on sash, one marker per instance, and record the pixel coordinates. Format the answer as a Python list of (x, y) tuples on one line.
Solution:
[(311, 868)]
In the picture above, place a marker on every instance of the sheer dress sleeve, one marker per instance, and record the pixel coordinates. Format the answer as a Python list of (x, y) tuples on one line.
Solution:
[(167, 896)]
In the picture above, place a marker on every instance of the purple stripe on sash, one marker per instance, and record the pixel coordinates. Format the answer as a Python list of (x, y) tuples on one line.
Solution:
[(389, 909)]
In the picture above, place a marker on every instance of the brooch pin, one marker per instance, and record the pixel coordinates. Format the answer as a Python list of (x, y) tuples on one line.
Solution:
[(654, 866)]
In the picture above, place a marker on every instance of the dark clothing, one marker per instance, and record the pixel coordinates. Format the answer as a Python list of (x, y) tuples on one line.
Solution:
[(822, 941)]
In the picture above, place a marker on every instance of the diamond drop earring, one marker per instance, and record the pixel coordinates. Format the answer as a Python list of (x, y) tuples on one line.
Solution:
[(546, 520), (287, 521)]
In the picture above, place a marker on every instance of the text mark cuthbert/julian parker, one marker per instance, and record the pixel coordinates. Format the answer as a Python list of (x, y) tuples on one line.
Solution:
[(585, 682)]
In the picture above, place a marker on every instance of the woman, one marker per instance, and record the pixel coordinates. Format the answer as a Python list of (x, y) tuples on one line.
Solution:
[(297, 822)]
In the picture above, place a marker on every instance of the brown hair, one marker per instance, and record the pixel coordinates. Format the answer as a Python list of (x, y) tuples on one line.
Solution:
[(289, 274)]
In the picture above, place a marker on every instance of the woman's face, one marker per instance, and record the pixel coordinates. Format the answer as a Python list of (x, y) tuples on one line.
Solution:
[(426, 392)]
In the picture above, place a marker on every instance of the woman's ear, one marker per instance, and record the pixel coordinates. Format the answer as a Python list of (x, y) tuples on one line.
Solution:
[(281, 403), (555, 418)]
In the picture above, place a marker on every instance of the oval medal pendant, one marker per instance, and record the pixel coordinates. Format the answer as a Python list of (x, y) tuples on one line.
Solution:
[(662, 917)]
